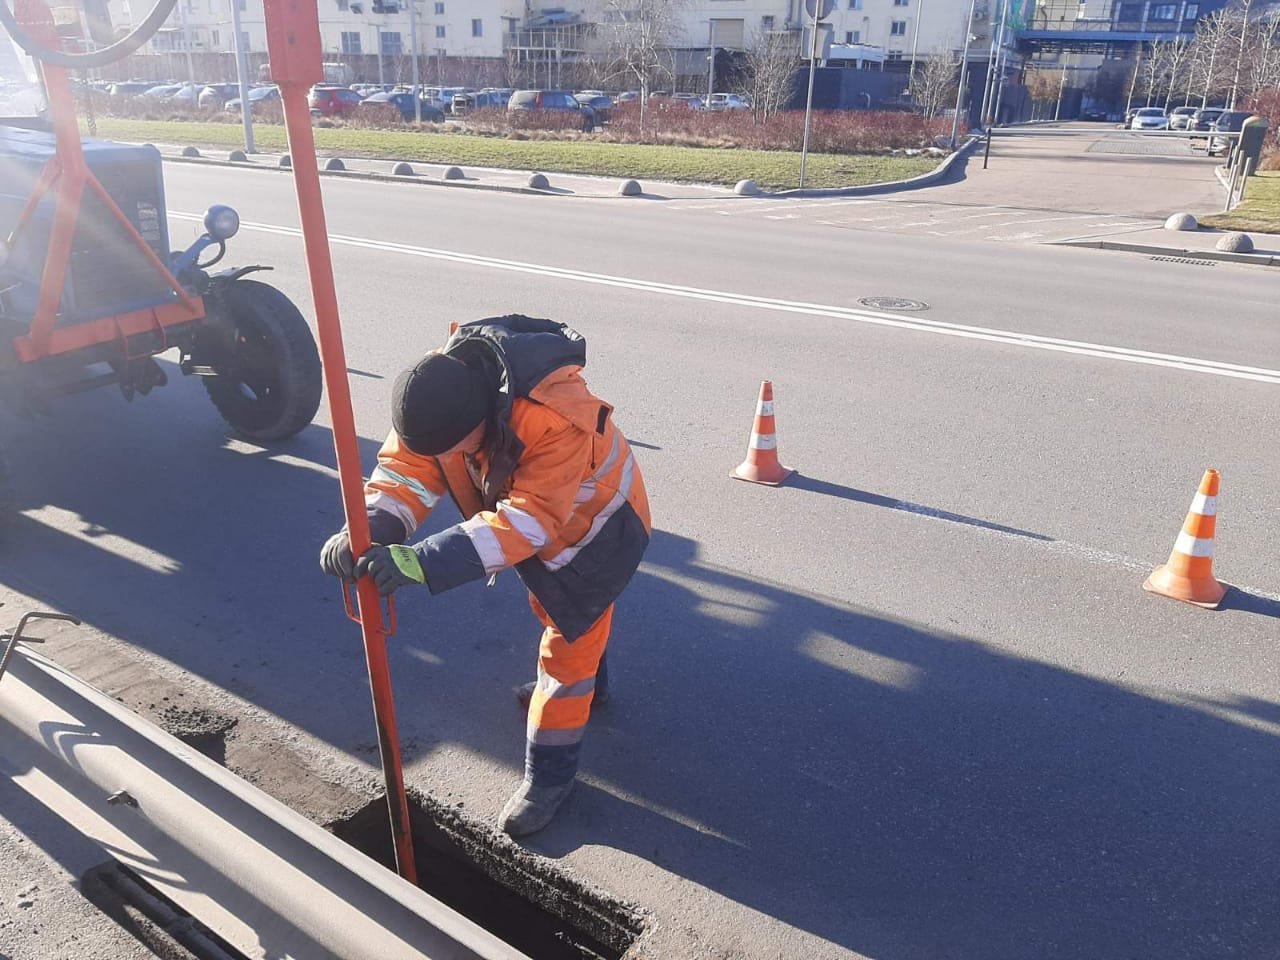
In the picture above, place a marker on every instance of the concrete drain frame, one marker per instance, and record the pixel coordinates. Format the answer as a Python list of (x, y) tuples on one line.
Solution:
[(519, 897)]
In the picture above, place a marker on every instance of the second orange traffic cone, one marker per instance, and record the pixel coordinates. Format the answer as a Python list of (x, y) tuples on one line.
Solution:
[(761, 465), (1188, 576)]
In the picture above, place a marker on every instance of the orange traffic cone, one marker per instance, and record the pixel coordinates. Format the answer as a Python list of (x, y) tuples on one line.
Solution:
[(1188, 576), (761, 465)]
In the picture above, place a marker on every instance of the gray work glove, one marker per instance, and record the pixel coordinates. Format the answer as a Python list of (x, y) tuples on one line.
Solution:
[(335, 556)]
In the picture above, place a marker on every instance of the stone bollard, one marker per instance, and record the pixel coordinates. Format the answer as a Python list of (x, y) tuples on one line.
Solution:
[(237, 156), (402, 169), (746, 188), (538, 182), (286, 162), (333, 163), (1235, 243), (630, 188), (453, 173), (1182, 221), (190, 152)]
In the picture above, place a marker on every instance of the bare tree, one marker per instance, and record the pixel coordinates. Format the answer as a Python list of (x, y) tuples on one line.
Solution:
[(772, 59), (1179, 55), (933, 85), (635, 38), (1213, 35), (1042, 87)]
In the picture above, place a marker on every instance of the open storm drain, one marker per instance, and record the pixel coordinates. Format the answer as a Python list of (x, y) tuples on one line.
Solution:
[(893, 303), (518, 897)]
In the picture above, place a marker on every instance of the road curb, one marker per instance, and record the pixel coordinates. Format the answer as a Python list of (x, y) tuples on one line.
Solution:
[(363, 175), (1259, 260), (934, 176), (937, 175)]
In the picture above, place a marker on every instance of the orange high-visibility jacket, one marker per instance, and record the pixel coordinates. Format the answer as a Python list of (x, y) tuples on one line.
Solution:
[(555, 493)]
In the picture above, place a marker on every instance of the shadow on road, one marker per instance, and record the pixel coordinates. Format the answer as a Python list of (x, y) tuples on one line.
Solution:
[(887, 786)]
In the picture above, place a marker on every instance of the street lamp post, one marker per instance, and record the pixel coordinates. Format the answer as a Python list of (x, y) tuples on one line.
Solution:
[(818, 10), (242, 78), (413, 42), (964, 72)]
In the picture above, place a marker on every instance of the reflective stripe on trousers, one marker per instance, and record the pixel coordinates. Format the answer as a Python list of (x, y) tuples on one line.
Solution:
[(561, 702)]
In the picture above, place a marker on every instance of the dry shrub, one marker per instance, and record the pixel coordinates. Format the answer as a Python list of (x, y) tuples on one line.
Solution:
[(1270, 160), (1266, 104)]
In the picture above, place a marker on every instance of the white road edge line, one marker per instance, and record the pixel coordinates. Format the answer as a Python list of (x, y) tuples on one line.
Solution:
[(876, 318)]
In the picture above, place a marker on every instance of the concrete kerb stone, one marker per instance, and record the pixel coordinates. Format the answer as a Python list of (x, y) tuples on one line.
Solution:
[(934, 176), (1257, 259)]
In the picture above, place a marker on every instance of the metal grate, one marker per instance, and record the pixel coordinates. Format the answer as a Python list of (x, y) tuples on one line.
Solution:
[(893, 303), (1187, 260)]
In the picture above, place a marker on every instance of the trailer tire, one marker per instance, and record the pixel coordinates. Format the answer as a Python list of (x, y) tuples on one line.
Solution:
[(272, 389)]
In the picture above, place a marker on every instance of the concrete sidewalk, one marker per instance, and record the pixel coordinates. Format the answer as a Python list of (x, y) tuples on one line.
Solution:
[(1088, 168)]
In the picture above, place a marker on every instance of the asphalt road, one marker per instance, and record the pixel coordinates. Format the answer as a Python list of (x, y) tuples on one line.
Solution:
[(914, 704)]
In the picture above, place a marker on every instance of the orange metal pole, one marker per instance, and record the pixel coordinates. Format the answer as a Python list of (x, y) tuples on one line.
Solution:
[(293, 43)]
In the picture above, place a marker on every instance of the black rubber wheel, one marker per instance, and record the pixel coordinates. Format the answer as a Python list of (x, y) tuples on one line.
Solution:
[(271, 389)]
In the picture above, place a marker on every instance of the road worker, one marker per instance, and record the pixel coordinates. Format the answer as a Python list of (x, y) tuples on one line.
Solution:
[(502, 420)]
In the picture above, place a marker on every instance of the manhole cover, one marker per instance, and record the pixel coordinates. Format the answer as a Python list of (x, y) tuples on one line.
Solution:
[(893, 303)]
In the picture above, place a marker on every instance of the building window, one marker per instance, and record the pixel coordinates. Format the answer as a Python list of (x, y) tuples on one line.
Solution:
[(215, 38), (390, 43), (244, 40), (439, 31), (513, 25), (439, 9), (898, 28), (855, 4), (1192, 11), (350, 42), (1164, 11), (477, 28), (853, 36), (899, 3), (1129, 12), (767, 21), (894, 55)]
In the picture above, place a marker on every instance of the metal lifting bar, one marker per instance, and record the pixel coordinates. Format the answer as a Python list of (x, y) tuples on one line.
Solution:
[(293, 47)]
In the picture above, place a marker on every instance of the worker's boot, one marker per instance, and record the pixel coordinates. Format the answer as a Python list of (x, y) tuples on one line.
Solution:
[(532, 807), (524, 692)]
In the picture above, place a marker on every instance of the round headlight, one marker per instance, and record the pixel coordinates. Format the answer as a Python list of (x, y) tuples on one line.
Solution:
[(221, 222)]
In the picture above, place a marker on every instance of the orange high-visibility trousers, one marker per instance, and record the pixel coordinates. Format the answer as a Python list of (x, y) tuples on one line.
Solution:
[(561, 702)]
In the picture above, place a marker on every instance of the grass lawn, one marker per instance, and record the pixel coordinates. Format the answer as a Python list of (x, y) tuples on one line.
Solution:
[(1259, 212), (772, 170)]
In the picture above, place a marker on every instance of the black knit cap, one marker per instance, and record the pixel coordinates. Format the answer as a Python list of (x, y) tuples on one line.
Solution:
[(438, 402)]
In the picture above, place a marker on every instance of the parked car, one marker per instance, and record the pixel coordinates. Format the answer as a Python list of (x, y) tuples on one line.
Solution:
[(552, 100), (402, 103), (369, 89), (257, 97), (627, 96), (1180, 117), (187, 94), (216, 95), (130, 88), (728, 101), (159, 91), (1093, 116), (464, 103), (1229, 121), (1149, 118), (690, 100), (1203, 118), (332, 101), (601, 105)]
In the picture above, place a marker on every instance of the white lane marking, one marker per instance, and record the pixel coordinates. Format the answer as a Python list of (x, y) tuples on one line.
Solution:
[(873, 317)]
